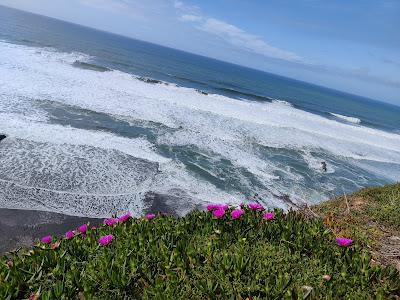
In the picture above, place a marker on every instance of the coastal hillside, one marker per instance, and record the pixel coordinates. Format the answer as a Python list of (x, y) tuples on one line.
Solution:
[(344, 248)]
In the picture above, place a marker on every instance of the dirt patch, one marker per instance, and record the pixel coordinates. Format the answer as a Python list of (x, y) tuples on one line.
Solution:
[(357, 203)]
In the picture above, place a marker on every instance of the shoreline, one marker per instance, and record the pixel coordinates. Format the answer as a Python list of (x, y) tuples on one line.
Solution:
[(22, 228)]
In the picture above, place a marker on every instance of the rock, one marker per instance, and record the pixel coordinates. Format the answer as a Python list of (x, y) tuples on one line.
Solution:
[(202, 92), (149, 80)]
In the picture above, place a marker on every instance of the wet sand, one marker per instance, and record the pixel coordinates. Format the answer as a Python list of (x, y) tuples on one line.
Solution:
[(22, 228)]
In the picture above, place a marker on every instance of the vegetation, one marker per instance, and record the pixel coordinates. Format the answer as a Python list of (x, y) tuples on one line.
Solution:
[(210, 255), (371, 216)]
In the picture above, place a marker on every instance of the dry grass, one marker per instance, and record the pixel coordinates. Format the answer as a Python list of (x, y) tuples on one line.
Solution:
[(371, 216)]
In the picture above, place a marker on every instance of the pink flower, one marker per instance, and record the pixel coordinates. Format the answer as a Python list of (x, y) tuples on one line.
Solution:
[(69, 235), (219, 213), (93, 228), (105, 240), (212, 207), (150, 216), (344, 242), (124, 218), (237, 213), (83, 228), (110, 222), (46, 239), (256, 206), (269, 216)]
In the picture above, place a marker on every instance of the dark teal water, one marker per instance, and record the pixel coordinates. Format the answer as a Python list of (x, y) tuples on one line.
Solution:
[(99, 123)]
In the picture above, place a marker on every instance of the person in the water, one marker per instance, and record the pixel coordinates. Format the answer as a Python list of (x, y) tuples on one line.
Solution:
[(324, 167)]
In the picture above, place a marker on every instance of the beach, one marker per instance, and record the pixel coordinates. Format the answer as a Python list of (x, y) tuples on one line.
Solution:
[(22, 228)]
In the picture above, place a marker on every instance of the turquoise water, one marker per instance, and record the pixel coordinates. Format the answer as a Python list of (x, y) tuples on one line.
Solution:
[(99, 123)]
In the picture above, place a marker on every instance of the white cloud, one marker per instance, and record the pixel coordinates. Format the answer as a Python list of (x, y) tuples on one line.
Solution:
[(190, 18), (135, 9), (232, 34), (178, 4), (113, 5), (245, 41), (187, 9)]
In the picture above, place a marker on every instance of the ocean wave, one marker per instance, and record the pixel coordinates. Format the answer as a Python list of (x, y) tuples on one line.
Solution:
[(225, 83), (282, 102), (246, 94), (35, 43), (188, 79), (90, 66), (346, 118)]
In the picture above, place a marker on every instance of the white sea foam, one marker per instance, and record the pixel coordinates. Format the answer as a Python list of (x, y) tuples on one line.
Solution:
[(282, 102), (346, 118), (217, 126)]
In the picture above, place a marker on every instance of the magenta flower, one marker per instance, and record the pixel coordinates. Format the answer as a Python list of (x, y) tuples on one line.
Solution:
[(150, 216), (237, 213), (110, 221), (212, 207), (105, 240), (269, 216), (344, 242), (46, 239), (219, 213), (83, 228), (124, 218), (69, 235), (256, 206)]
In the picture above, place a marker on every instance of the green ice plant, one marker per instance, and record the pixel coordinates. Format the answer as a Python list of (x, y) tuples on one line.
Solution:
[(223, 253)]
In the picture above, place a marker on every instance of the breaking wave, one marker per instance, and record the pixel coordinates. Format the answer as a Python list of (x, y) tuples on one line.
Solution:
[(346, 118), (90, 66)]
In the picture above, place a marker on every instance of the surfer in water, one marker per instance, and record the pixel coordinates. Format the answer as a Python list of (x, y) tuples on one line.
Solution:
[(324, 168)]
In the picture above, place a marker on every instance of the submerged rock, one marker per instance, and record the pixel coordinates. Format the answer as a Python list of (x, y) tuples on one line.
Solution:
[(202, 92), (149, 80)]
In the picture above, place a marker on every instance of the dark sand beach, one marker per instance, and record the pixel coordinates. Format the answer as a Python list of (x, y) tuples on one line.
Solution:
[(19, 228), (22, 228)]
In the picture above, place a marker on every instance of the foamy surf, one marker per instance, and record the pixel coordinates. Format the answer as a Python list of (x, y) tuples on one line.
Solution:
[(346, 118), (124, 136)]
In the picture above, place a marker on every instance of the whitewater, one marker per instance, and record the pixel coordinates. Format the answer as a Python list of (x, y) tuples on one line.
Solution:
[(93, 142)]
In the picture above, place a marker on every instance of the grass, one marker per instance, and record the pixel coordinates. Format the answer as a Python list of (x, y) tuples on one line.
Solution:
[(371, 216), (201, 257)]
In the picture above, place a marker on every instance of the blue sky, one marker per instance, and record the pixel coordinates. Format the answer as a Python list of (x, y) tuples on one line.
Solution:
[(352, 46)]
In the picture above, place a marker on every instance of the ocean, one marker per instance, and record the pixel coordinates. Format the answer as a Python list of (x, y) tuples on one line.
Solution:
[(98, 123)]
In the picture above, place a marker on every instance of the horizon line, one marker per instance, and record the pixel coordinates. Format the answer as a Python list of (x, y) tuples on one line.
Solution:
[(208, 57)]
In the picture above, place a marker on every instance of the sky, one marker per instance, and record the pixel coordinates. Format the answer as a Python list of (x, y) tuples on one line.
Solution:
[(352, 46)]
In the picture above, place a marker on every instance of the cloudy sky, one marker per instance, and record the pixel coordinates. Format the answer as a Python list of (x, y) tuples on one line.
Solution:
[(352, 46)]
